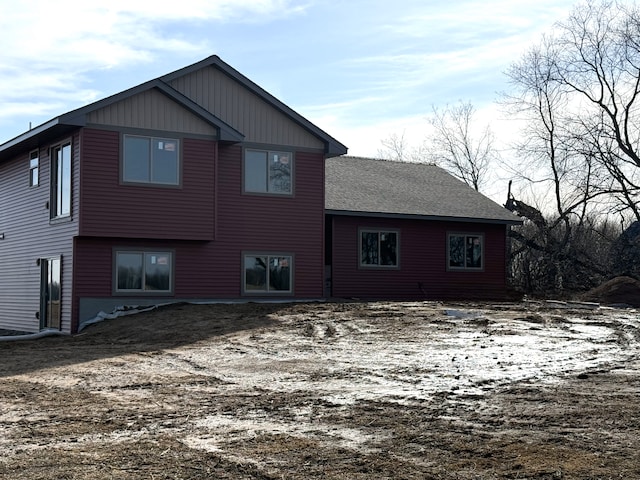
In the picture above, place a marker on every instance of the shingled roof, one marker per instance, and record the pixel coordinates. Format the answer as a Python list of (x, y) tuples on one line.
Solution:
[(370, 187)]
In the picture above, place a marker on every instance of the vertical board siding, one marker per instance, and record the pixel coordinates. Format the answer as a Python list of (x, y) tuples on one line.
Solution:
[(151, 110), (423, 271), (243, 110), (29, 235), (112, 209)]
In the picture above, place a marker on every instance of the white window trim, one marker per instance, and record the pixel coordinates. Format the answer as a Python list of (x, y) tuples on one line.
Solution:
[(55, 188), (34, 155)]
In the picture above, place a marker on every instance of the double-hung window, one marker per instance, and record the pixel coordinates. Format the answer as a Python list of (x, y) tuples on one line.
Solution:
[(61, 181), (151, 160), (143, 272), (268, 172), (378, 248), (465, 251), (34, 166), (267, 273)]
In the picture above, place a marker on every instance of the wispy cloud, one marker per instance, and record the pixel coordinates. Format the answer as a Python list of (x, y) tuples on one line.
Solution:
[(435, 53), (362, 70), (48, 54)]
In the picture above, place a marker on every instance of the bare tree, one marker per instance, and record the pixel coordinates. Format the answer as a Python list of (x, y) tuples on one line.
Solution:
[(598, 64), (578, 91), (456, 143), (396, 148), (459, 145), (393, 148)]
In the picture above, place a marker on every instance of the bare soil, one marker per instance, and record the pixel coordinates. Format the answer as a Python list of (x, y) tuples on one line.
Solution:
[(422, 390)]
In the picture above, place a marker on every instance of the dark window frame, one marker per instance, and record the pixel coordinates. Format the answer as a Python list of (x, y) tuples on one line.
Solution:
[(469, 263), (375, 262), (270, 154), (268, 279), (152, 139), (144, 253)]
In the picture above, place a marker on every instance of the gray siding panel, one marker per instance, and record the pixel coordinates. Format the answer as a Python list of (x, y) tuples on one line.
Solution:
[(151, 110), (244, 110), (28, 236)]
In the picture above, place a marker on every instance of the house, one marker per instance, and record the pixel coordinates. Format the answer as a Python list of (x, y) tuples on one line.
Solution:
[(195, 185), (199, 185), (411, 231)]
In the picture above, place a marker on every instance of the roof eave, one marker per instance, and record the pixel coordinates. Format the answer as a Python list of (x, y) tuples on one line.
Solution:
[(54, 128), (406, 216), (335, 149), (77, 118)]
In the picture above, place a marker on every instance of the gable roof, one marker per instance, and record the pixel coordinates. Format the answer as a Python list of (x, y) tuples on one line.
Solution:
[(370, 187), (332, 146), (65, 123)]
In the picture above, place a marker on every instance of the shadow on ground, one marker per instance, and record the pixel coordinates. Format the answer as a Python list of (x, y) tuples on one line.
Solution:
[(166, 327)]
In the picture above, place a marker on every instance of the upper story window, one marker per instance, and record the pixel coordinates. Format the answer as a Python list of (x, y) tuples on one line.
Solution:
[(378, 248), (151, 160), (465, 251), (34, 166), (61, 180), (268, 172)]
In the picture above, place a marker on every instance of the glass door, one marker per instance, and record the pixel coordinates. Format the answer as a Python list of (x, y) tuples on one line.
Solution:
[(50, 298)]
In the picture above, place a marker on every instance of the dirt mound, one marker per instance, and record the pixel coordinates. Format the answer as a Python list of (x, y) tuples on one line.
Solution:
[(618, 290)]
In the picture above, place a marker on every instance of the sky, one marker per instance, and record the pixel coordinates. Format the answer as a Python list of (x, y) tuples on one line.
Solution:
[(360, 70)]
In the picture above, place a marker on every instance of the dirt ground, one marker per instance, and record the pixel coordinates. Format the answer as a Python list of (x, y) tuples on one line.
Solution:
[(422, 390)]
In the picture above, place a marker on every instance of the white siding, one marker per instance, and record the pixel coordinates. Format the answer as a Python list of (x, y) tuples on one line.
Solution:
[(28, 236)]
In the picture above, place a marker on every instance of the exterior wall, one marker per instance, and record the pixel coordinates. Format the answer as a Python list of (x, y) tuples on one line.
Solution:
[(207, 221), (111, 209), (284, 224), (243, 110), (213, 269), (423, 271), (29, 235)]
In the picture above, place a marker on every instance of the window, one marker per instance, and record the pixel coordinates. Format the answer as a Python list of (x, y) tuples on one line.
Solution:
[(61, 181), (34, 163), (267, 172), (378, 248), (149, 272), (267, 273), (466, 251), (150, 160)]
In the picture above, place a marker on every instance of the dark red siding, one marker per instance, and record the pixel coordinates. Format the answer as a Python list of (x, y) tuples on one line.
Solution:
[(422, 272), (260, 223), (243, 223), (94, 271), (110, 209)]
